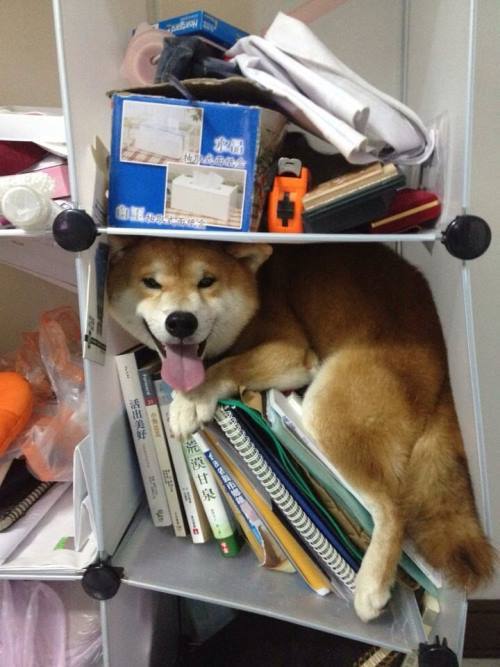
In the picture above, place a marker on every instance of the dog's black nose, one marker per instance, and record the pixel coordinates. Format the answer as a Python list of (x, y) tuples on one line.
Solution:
[(181, 324)]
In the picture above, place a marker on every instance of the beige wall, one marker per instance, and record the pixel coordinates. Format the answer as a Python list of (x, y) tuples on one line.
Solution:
[(28, 78), (378, 60), (22, 299), (28, 55)]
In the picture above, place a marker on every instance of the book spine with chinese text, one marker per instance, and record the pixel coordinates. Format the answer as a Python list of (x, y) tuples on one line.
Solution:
[(146, 455), (195, 515), (261, 540), (219, 516), (162, 453)]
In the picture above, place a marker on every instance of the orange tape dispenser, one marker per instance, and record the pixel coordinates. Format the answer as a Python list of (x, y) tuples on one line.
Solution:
[(284, 208)]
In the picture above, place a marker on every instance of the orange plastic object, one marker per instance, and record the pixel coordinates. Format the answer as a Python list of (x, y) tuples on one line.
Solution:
[(16, 405), (284, 208), (63, 431)]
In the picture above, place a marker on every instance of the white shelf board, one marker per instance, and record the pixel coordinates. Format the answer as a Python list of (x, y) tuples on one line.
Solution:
[(154, 559), (42, 575), (9, 233), (245, 237), (265, 237)]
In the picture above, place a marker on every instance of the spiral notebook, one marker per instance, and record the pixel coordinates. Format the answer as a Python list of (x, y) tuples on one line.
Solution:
[(18, 492), (295, 486), (289, 503)]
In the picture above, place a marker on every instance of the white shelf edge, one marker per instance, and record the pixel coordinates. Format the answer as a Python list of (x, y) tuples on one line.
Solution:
[(245, 237), (266, 237), (44, 575), (154, 559), (21, 232)]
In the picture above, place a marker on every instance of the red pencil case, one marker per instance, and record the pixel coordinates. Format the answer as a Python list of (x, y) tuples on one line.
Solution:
[(409, 210)]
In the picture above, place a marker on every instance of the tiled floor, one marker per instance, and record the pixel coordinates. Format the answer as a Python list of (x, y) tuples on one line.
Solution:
[(473, 662)]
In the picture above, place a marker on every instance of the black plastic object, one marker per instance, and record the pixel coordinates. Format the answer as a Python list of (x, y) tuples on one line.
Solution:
[(102, 580), (74, 230), (436, 655), (467, 237)]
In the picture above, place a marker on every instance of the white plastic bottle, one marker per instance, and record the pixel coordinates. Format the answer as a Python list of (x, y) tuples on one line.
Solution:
[(28, 209), (25, 200)]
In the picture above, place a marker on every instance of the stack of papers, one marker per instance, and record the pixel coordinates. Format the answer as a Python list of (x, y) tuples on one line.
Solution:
[(57, 535)]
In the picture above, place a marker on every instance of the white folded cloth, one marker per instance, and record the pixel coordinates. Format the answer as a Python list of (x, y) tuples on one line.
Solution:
[(328, 99)]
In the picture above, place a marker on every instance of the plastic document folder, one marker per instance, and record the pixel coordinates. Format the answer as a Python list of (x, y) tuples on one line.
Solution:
[(57, 534)]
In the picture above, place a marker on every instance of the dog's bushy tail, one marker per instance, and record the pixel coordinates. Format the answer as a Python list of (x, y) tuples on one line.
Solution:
[(441, 514)]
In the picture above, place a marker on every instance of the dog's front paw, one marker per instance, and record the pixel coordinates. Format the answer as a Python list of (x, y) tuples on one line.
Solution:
[(188, 414), (371, 596)]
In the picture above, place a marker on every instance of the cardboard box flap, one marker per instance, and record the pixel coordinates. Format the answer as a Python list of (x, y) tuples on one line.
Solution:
[(233, 90)]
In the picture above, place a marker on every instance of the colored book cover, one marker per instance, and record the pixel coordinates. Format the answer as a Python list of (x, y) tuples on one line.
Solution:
[(303, 563), (284, 416), (294, 512), (267, 550)]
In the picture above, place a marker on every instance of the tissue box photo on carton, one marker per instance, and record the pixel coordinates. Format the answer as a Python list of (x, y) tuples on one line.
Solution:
[(182, 164)]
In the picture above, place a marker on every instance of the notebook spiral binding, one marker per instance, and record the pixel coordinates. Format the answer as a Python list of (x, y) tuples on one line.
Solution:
[(24, 505), (287, 504)]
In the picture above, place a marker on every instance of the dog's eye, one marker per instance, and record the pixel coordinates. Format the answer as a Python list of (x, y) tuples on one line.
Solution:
[(207, 281), (151, 283)]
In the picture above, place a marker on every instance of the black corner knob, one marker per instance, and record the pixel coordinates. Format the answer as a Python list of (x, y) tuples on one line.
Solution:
[(467, 237), (74, 230), (436, 655), (101, 581)]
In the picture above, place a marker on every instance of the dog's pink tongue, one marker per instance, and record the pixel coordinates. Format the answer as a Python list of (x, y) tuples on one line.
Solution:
[(182, 368)]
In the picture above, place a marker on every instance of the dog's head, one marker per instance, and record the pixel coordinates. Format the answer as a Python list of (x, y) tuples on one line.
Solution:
[(187, 299)]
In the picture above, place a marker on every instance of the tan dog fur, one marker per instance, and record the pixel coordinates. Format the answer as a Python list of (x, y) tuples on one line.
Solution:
[(358, 324)]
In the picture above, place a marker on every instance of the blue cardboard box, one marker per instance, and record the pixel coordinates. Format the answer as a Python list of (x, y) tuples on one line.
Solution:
[(178, 164), (203, 24)]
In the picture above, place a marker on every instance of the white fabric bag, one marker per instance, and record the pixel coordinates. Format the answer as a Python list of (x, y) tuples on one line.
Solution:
[(328, 99)]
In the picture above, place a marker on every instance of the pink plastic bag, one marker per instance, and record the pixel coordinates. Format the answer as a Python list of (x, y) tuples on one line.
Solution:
[(32, 625), (38, 630)]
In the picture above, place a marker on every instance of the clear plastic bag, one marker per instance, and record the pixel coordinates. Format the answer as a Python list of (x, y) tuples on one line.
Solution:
[(83, 626), (51, 360), (61, 424), (37, 629)]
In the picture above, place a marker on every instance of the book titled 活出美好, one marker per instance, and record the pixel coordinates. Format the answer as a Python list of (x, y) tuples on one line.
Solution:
[(128, 365)]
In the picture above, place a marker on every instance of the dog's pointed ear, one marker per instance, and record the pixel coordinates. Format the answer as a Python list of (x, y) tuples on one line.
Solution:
[(251, 254), (118, 244)]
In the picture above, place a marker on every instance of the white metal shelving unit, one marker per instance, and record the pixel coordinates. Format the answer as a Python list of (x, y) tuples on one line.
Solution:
[(263, 237), (437, 82)]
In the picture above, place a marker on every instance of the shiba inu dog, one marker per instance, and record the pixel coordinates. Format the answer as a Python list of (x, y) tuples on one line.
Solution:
[(358, 325)]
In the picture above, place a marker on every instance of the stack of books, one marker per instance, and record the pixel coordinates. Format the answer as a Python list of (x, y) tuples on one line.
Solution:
[(351, 201), (369, 200), (180, 487), (256, 474)]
